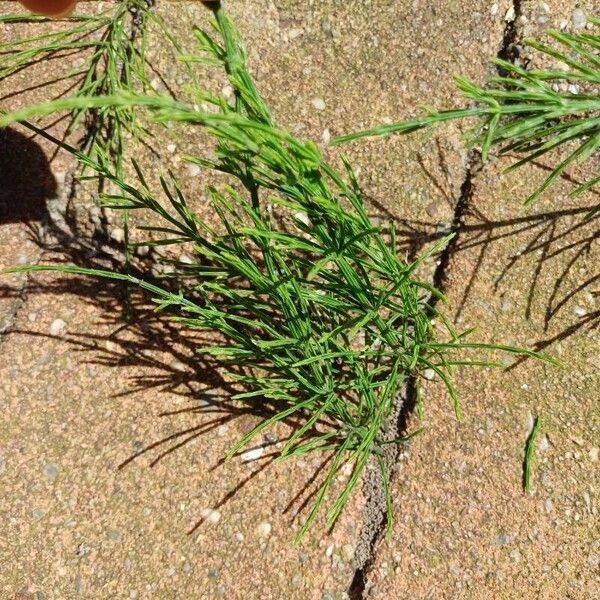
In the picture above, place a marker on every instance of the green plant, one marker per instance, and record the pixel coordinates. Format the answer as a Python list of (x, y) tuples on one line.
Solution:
[(111, 48), (528, 111), (319, 319), (529, 453)]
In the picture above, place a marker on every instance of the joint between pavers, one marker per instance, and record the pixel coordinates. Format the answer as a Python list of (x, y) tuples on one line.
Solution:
[(374, 527)]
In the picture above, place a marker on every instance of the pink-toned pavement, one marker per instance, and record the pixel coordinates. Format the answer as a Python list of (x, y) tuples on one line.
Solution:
[(112, 436)]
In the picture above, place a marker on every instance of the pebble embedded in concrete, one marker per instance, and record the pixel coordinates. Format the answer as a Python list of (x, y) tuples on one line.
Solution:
[(57, 328), (429, 374), (578, 19), (211, 516), (193, 170), (51, 472), (117, 235), (253, 454), (264, 529), (319, 103), (502, 540)]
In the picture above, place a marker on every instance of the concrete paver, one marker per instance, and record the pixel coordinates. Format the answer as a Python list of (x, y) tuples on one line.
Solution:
[(78, 406)]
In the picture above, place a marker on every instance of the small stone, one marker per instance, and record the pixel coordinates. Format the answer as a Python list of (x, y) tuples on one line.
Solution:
[(347, 469), (211, 516), (432, 209), (578, 19), (296, 581), (133, 595), (593, 560), (348, 552), (142, 250), (171, 148), (253, 454), (83, 549), (193, 170), (326, 137), (295, 33), (57, 328), (515, 555), (494, 9), (319, 103), (510, 15), (329, 550), (548, 505), (593, 454), (505, 304), (138, 446), (213, 573), (563, 566), (115, 535), (580, 311), (38, 513), (51, 472), (530, 421), (79, 587), (502, 540), (544, 443), (271, 438), (117, 235), (222, 430), (429, 374), (32, 317), (228, 92), (264, 529)]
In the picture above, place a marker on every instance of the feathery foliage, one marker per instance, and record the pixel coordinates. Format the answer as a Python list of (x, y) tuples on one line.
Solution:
[(111, 50), (531, 112), (320, 320)]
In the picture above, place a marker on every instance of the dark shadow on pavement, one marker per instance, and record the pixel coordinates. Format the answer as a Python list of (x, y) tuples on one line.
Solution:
[(26, 181)]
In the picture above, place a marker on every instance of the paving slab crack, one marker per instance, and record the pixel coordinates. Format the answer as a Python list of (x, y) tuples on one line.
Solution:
[(374, 525), (375, 511)]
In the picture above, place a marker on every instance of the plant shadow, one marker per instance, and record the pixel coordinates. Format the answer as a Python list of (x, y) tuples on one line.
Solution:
[(162, 356), (26, 181), (553, 245)]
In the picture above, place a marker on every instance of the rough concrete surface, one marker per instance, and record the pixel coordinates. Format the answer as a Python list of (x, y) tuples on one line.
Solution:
[(527, 276), (112, 436), (464, 526)]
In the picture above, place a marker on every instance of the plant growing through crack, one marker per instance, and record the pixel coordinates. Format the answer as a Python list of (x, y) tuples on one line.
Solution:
[(530, 112), (111, 58), (317, 317)]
